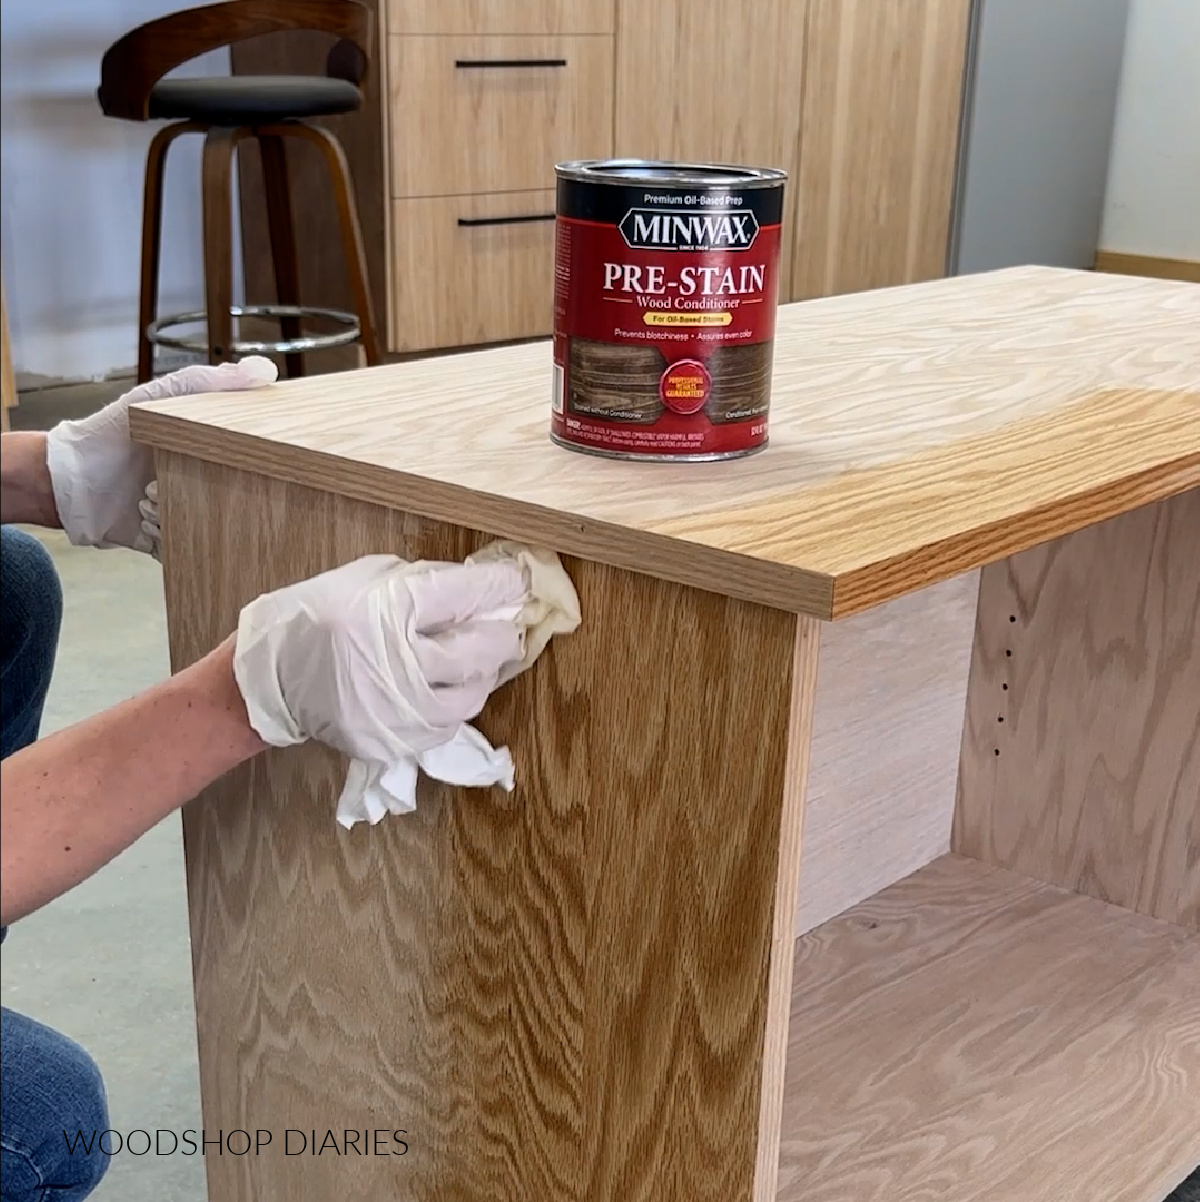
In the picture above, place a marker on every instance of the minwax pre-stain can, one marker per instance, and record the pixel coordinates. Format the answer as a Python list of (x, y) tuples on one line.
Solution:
[(666, 282)]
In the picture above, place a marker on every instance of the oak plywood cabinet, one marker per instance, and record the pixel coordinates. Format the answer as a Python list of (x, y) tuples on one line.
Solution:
[(473, 103), (853, 853)]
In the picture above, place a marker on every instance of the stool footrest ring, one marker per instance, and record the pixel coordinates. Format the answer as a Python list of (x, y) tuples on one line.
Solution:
[(155, 331)]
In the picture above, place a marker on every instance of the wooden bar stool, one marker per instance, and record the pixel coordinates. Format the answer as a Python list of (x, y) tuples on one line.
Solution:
[(269, 108)]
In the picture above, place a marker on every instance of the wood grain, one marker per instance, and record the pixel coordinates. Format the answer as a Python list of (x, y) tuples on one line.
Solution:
[(879, 142), (500, 16), (915, 433), (1152, 266), (683, 90), (970, 1035), (521, 121), (563, 994), (456, 285), (887, 727), (1081, 752)]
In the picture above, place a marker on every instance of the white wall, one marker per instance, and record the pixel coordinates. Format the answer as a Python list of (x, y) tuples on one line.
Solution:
[(1152, 205), (71, 190)]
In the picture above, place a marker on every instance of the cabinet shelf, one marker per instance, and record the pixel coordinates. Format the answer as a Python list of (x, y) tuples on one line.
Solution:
[(969, 1034)]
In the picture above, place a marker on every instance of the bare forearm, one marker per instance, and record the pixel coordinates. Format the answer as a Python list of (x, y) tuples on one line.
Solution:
[(74, 800), (26, 494)]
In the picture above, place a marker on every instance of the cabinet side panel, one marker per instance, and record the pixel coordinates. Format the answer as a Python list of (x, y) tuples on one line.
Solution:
[(1081, 752), (557, 994)]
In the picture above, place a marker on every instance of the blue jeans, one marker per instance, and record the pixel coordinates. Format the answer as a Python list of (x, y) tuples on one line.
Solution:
[(49, 1084)]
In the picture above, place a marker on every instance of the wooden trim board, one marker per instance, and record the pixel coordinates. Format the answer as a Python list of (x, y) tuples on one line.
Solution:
[(1081, 750), (970, 1035), (1118, 263), (783, 934), (563, 994)]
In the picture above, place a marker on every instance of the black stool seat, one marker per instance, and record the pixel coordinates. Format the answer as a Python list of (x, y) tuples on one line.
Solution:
[(252, 99)]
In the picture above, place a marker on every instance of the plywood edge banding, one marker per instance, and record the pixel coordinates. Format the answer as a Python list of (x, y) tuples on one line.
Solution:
[(787, 884), (862, 588), (777, 586)]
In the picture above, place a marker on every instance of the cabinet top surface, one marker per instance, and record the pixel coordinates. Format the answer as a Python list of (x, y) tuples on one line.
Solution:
[(916, 432)]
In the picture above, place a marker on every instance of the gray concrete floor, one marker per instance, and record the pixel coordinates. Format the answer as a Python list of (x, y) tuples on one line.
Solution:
[(109, 963)]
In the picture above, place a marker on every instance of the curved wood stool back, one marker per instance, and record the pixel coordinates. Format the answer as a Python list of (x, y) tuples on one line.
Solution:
[(227, 111)]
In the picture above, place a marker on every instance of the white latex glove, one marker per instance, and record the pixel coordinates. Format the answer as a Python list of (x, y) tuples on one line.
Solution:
[(378, 662), (100, 476), (148, 508)]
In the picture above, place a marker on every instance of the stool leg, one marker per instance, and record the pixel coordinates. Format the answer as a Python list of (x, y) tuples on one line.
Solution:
[(283, 238), (217, 199), (356, 255), (156, 162)]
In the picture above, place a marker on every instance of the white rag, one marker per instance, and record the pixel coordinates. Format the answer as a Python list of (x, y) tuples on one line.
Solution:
[(373, 789)]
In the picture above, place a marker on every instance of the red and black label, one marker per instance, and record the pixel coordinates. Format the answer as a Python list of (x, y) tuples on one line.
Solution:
[(664, 316)]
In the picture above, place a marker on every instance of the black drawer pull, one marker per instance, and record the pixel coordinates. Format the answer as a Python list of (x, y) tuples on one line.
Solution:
[(519, 219), (481, 64)]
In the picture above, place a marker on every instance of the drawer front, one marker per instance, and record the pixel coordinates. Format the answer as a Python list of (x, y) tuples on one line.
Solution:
[(471, 115), (465, 271), (501, 16)]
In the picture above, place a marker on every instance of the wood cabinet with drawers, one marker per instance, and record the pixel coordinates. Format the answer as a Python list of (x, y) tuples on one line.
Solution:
[(472, 102)]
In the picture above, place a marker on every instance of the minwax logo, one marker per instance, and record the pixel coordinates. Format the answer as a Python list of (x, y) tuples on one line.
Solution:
[(648, 229)]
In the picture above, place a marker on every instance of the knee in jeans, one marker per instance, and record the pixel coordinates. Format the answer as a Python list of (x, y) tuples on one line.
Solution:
[(33, 603), (83, 1111), (52, 1126), (84, 1105), (30, 617)]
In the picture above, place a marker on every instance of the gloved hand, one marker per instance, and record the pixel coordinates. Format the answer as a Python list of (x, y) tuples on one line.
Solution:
[(99, 475), (377, 659)]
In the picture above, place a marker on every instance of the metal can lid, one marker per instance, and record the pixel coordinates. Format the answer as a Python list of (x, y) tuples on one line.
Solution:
[(666, 174)]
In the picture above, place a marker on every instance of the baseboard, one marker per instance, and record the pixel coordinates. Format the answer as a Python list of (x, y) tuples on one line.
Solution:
[(1116, 262)]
